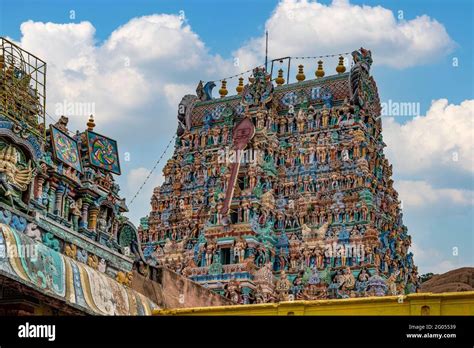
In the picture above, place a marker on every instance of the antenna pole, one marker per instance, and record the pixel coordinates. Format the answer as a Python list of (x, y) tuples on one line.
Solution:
[(266, 49)]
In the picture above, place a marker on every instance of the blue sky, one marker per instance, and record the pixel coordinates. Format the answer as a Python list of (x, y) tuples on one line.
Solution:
[(413, 62), (225, 25)]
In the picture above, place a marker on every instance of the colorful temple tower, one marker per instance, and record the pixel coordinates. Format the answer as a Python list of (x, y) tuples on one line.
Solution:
[(65, 246), (283, 191)]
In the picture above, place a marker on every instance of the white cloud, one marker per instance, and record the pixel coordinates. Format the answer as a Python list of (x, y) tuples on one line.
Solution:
[(174, 92), (433, 156), (148, 63), (134, 179), (430, 260), (300, 28), (137, 176), (134, 80), (443, 138), (419, 193), (443, 267)]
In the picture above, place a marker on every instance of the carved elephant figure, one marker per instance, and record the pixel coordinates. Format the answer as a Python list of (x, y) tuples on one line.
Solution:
[(33, 232)]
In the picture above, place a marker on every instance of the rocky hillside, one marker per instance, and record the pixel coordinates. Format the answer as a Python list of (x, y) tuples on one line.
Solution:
[(461, 279)]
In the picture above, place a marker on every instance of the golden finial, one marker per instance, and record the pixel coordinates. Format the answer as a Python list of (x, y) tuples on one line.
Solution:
[(223, 91), (320, 71), (300, 76), (340, 67), (90, 123), (280, 80), (240, 86)]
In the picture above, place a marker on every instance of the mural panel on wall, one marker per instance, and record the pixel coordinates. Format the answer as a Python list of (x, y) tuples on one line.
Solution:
[(103, 152), (45, 269), (66, 149)]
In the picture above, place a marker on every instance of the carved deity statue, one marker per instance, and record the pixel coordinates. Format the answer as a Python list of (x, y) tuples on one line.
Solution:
[(75, 209), (239, 250)]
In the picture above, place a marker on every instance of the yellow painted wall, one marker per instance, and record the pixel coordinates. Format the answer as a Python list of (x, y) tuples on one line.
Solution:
[(449, 303)]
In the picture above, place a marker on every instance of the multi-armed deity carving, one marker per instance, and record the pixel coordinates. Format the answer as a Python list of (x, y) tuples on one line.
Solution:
[(283, 192), (15, 176)]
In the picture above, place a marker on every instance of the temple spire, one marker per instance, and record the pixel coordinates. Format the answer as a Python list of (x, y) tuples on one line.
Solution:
[(90, 123)]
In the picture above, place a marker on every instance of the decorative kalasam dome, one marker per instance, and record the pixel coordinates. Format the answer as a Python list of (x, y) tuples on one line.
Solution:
[(300, 76), (240, 86), (340, 67), (280, 80), (90, 123), (320, 71), (223, 91)]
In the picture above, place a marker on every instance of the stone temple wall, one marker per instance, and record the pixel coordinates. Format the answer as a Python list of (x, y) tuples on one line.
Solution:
[(171, 290)]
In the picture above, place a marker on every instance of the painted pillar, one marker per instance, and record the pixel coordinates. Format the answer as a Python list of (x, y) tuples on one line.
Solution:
[(93, 213), (65, 203), (58, 200), (66, 206), (39, 188), (114, 229), (85, 214), (52, 197), (232, 255)]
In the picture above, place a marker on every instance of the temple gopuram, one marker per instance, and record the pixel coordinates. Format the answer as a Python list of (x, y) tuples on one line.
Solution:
[(282, 191), (65, 245)]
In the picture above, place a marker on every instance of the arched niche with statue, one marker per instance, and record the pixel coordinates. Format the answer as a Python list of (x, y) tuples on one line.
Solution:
[(17, 170)]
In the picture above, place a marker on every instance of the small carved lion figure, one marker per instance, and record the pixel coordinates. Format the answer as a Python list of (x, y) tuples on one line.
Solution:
[(93, 261), (33, 232), (129, 278), (70, 250), (124, 278), (62, 123)]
